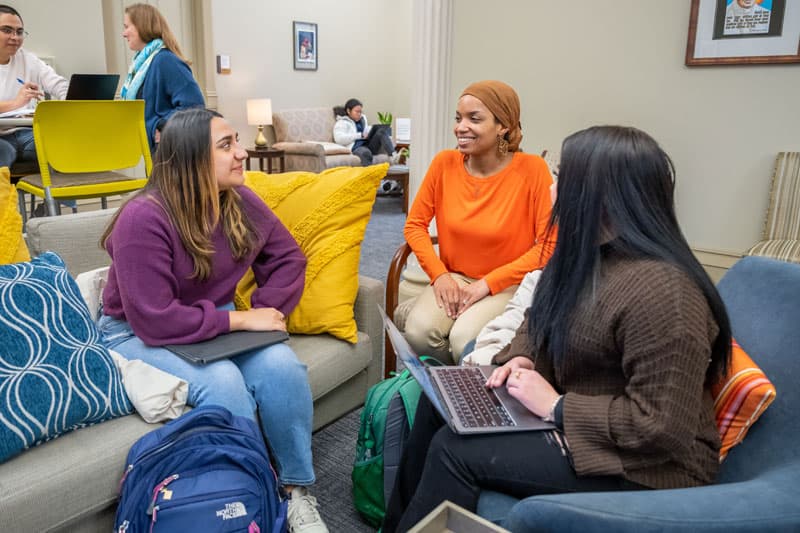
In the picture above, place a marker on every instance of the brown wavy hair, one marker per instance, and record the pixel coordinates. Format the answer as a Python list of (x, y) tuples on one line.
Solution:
[(183, 183)]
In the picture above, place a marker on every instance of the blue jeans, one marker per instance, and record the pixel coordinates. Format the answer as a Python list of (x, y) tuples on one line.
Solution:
[(17, 145), (271, 378)]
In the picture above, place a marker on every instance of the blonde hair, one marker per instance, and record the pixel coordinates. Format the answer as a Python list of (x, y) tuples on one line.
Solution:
[(184, 184), (151, 24)]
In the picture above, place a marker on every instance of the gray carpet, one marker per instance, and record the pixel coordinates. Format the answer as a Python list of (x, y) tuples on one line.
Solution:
[(383, 236), (334, 445), (334, 449)]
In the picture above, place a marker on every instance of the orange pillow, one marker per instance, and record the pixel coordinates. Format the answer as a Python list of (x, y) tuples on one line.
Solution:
[(740, 398)]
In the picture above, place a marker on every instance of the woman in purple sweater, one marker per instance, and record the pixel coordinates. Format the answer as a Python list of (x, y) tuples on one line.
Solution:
[(178, 248)]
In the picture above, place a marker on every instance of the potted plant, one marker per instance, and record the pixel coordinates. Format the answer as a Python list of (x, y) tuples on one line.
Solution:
[(385, 118)]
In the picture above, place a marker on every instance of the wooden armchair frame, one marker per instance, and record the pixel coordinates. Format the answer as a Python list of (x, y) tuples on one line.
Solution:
[(396, 267)]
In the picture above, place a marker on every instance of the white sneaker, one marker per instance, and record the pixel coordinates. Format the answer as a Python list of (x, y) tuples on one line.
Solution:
[(303, 514)]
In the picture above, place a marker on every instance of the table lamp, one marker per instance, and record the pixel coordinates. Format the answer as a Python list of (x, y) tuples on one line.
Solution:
[(259, 113)]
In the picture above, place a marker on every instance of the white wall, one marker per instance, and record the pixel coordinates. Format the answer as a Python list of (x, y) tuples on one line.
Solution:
[(363, 52), (72, 32), (578, 63)]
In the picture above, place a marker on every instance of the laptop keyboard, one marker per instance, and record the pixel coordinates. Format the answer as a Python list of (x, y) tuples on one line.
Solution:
[(475, 405)]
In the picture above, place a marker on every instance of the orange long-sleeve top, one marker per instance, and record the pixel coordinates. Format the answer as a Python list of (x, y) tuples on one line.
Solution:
[(492, 228)]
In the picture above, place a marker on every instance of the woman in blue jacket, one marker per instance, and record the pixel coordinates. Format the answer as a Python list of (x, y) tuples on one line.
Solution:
[(159, 74)]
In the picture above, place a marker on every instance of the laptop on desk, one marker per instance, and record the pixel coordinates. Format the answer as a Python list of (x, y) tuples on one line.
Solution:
[(459, 395), (92, 86)]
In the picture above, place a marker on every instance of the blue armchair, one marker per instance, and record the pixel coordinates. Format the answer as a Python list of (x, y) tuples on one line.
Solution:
[(759, 482)]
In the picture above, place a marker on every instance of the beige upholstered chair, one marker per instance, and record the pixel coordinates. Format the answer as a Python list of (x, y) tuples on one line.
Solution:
[(781, 237), (306, 136)]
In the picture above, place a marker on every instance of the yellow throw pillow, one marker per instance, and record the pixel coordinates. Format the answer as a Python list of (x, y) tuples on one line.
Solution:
[(327, 214), (12, 246)]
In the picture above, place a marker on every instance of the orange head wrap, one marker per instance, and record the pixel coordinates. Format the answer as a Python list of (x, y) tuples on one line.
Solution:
[(502, 100)]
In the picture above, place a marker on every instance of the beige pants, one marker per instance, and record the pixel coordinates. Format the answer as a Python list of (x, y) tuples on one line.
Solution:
[(431, 332)]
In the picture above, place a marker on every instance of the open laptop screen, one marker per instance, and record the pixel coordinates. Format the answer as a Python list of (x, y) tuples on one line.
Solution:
[(92, 86)]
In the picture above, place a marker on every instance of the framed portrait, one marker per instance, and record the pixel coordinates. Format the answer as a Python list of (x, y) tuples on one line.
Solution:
[(743, 32), (306, 45)]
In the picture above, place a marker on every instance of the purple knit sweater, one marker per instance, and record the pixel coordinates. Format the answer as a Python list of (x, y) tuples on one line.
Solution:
[(149, 281)]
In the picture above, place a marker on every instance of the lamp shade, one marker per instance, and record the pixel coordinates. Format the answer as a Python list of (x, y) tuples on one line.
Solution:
[(259, 111)]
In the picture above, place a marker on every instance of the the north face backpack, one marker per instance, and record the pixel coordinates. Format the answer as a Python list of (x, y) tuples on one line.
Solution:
[(386, 421), (206, 471)]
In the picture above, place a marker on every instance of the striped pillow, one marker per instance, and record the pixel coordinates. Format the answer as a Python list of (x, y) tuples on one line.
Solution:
[(739, 399)]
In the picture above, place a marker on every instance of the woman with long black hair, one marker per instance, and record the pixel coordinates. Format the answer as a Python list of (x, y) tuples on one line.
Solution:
[(623, 338)]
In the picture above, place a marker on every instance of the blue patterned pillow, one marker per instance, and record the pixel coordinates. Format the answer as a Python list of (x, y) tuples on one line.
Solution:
[(55, 375)]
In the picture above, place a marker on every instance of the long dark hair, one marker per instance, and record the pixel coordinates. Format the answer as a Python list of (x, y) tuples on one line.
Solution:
[(184, 183), (617, 185)]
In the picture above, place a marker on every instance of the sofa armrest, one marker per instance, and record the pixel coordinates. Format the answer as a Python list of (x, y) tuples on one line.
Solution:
[(75, 237), (301, 148), (769, 505), (303, 156), (368, 320)]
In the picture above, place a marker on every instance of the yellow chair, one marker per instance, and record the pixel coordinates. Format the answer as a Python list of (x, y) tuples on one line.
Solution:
[(81, 145)]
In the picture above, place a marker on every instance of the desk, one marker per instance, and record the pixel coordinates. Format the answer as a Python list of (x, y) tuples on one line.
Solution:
[(9, 122), (269, 154)]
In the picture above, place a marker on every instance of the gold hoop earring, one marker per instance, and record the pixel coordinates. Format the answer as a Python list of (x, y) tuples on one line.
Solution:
[(502, 146)]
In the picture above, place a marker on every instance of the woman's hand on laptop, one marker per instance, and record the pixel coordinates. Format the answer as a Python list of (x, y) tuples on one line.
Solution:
[(532, 391), (257, 319), (501, 373)]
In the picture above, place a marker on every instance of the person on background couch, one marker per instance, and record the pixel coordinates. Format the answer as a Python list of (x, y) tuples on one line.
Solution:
[(351, 130), (24, 79), (625, 334), (172, 280), (159, 74), (492, 205)]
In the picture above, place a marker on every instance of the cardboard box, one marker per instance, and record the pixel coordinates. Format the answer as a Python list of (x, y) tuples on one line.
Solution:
[(450, 518)]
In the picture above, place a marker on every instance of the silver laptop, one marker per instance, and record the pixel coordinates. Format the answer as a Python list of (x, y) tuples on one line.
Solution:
[(460, 396)]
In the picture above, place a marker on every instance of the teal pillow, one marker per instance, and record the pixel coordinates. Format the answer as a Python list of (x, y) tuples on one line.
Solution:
[(55, 375)]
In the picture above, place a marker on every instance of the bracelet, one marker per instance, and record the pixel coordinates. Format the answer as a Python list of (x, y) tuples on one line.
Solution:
[(551, 415)]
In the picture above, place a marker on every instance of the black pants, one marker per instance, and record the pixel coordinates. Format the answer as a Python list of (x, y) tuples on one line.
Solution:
[(380, 142), (438, 464)]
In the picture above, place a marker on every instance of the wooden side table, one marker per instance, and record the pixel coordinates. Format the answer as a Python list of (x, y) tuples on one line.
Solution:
[(399, 173), (266, 153)]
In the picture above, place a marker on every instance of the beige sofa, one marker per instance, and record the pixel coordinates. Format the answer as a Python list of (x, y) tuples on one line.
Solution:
[(70, 483), (306, 136)]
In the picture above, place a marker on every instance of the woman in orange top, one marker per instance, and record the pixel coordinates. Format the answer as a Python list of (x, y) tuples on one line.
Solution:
[(492, 206)]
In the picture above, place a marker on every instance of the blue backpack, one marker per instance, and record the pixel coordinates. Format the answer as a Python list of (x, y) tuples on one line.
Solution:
[(206, 471)]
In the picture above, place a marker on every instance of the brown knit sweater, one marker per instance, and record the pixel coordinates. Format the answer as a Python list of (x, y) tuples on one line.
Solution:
[(634, 403)]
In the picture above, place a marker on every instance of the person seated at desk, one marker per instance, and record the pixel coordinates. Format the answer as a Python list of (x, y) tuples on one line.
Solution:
[(24, 78)]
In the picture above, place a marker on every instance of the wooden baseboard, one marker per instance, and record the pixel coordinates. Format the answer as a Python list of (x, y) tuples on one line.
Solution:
[(716, 262)]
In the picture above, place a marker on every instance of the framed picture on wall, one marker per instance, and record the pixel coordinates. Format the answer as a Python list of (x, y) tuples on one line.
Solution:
[(305, 45), (743, 32)]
